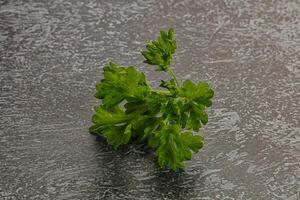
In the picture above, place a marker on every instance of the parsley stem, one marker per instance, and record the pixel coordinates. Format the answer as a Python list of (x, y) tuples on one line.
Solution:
[(162, 91), (171, 72)]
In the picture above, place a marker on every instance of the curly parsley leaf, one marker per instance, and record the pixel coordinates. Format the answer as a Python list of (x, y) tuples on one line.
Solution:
[(121, 83), (176, 147), (160, 52)]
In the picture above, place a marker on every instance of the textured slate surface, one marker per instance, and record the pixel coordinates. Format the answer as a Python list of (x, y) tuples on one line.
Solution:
[(51, 55)]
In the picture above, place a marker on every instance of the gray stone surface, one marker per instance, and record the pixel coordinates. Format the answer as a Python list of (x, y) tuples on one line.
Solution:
[(52, 54)]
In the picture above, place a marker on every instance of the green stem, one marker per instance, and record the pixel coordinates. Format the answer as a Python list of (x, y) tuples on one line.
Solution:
[(171, 72), (162, 91)]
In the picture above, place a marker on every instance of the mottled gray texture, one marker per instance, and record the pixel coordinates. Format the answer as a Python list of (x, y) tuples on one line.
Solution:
[(52, 54)]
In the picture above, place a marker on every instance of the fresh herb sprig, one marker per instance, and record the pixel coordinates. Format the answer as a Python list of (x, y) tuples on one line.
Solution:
[(166, 119)]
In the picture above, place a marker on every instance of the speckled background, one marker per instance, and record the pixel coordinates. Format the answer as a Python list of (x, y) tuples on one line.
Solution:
[(52, 54)]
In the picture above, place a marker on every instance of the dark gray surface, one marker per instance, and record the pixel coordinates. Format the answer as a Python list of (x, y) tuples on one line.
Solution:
[(52, 53)]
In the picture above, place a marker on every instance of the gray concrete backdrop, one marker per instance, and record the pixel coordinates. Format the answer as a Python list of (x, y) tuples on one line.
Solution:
[(52, 54)]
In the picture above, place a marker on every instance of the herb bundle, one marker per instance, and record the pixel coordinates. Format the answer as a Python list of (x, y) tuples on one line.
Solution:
[(166, 119)]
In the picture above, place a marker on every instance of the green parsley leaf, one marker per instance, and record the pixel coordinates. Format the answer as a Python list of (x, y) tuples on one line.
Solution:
[(121, 83), (175, 147), (159, 52)]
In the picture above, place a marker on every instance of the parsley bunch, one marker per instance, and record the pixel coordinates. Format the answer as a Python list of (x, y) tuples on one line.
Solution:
[(164, 119)]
